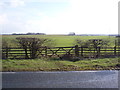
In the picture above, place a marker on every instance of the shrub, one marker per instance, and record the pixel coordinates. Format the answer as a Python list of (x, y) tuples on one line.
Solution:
[(33, 44)]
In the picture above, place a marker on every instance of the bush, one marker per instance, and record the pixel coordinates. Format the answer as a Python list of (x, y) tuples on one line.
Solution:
[(93, 43), (33, 44)]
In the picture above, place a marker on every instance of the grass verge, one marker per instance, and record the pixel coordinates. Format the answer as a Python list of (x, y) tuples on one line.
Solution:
[(61, 65)]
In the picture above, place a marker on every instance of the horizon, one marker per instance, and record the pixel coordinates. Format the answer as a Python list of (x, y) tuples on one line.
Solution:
[(54, 34), (59, 17)]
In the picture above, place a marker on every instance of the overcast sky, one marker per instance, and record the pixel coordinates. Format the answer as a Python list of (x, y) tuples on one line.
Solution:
[(59, 16)]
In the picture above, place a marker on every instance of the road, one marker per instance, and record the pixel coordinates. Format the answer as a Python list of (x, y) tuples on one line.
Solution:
[(64, 79)]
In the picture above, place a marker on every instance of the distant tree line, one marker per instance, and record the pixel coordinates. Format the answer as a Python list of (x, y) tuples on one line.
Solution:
[(29, 34), (71, 34)]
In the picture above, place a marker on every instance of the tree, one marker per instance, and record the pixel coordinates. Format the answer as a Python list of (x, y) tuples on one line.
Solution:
[(33, 44), (94, 43), (98, 43)]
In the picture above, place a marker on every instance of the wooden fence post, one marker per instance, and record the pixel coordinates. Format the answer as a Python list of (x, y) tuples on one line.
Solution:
[(6, 52), (115, 50), (76, 51), (98, 52)]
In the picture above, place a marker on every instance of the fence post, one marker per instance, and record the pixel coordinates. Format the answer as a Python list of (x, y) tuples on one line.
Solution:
[(115, 50), (98, 52), (6, 52), (76, 51)]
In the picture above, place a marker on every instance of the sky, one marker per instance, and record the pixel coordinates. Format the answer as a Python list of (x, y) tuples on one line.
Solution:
[(59, 16)]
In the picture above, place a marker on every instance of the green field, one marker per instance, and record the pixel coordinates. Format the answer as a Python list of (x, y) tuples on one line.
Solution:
[(54, 64), (58, 40), (60, 65)]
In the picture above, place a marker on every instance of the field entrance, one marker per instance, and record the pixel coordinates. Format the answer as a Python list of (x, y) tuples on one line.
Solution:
[(61, 52)]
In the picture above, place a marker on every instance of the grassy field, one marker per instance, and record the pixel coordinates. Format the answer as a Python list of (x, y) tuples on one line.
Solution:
[(50, 64), (58, 40), (60, 65)]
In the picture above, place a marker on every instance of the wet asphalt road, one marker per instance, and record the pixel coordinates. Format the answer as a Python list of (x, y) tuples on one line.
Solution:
[(65, 79)]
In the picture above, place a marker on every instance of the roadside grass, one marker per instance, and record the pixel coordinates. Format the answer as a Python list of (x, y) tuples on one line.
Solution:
[(60, 65)]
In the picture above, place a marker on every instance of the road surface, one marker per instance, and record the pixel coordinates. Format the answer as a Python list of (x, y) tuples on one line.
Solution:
[(64, 79)]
